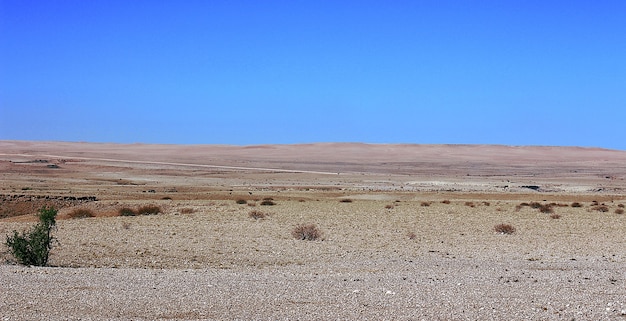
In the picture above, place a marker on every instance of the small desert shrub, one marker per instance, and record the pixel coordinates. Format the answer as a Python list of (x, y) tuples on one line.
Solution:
[(470, 204), (346, 200), (619, 211), (308, 232), (187, 210), (257, 215), (241, 201), (555, 216), (486, 203), (425, 204), (268, 199), (268, 203), (149, 210), (33, 248), (445, 201), (504, 229), (389, 206), (524, 204), (535, 205), (576, 204), (620, 205), (601, 208), (126, 225), (518, 208), (411, 235), (252, 204), (81, 213), (166, 198), (126, 211), (547, 208)]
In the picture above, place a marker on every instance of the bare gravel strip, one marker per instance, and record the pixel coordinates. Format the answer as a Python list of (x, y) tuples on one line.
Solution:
[(432, 289)]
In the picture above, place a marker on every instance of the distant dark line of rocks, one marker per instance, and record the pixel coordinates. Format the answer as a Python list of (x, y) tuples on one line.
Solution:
[(24, 197)]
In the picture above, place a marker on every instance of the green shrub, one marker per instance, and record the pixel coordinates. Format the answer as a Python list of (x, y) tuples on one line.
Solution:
[(33, 248)]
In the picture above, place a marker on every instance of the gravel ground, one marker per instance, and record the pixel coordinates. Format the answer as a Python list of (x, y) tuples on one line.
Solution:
[(427, 289)]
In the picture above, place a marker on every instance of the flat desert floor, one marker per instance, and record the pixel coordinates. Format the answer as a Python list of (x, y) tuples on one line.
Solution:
[(407, 232)]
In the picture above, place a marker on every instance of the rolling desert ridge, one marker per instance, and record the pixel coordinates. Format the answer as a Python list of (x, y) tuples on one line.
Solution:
[(407, 232)]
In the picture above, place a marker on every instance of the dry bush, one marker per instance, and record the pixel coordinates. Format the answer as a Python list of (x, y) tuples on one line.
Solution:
[(620, 205), (535, 205), (619, 211), (576, 204), (268, 199), (389, 206), (445, 202), (425, 204), (149, 210), (241, 201), (546, 208), (486, 203), (555, 216), (307, 232), (126, 211), (504, 229), (524, 204), (187, 210), (601, 208), (252, 204), (346, 200), (81, 213), (518, 208), (257, 215), (470, 204), (411, 235), (268, 202)]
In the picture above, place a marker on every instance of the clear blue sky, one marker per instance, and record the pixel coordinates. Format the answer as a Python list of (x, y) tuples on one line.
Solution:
[(256, 72)]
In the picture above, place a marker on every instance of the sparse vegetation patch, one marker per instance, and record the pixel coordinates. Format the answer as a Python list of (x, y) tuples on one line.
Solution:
[(81, 213), (504, 229), (306, 232)]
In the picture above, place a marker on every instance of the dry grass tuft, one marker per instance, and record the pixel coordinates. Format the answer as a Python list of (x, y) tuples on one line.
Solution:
[(81, 213), (486, 203), (346, 200), (306, 232), (187, 210), (425, 204), (268, 203), (257, 215), (546, 208), (619, 211), (411, 235), (504, 229), (241, 201), (389, 206), (576, 204), (149, 210), (126, 211), (601, 208), (555, 216), (445, 202), (470, 204)]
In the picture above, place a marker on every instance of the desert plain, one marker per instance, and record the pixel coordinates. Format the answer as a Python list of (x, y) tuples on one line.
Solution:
[(407, 232)]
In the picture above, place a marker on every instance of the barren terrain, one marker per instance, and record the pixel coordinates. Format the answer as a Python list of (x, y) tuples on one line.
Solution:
[(407, 232)]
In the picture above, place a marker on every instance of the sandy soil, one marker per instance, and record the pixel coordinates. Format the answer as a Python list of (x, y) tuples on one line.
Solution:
[(417, 240)]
